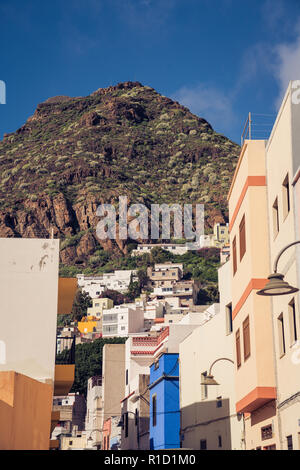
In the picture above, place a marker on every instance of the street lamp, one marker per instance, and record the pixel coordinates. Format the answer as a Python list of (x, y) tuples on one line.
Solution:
[(209, 379), (276, 284), (90, 439), (121, 422)]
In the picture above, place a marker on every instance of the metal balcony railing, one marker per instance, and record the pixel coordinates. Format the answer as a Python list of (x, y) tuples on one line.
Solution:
[(258, 127), (65, 350)]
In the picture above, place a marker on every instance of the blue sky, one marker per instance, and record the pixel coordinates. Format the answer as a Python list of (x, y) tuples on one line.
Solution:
[(221, 58)]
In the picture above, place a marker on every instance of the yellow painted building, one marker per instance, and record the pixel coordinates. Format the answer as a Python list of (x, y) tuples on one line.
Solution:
[(88, 325), (98, 306), (93, 321), (221, 235)]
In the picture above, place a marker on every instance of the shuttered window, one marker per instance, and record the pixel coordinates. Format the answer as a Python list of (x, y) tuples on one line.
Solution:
[(246, 338), (234, 256), (242, 238), (238, 348), (154, 410), (285, 196), (275, 218)]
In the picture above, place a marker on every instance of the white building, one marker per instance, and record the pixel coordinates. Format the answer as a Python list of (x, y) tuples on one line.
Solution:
[(96, 285), (173, 248), (206, 241), (93, 412), (208, 415), (122, 320)]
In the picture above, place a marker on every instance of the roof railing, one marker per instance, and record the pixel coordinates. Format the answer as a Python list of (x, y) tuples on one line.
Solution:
[(257, 127)]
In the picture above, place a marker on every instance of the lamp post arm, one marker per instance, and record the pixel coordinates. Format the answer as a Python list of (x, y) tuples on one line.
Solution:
[(217, 360), (281, 252), (95, 430)]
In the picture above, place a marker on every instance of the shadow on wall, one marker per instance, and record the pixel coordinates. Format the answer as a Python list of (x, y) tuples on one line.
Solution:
[(206, 425), (266, 412)]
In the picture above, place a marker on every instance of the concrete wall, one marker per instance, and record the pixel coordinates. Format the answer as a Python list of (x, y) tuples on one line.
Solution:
[(201, 418), (282, 157), (113, 380), (28, 316)]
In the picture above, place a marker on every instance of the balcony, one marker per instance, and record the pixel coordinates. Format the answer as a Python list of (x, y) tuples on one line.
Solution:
[(64, 365), (148, 345), (66, 293)]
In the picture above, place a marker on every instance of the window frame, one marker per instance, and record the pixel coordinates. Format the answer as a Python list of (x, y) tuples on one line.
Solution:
[(286, 201), (234, 256), (293, 322), (246, 338), (238, 348), (275, 213), (281, 335), (154, 410), (242, 237)]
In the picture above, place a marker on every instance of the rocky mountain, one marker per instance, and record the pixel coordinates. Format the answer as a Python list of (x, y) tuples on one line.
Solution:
[(75, 153)]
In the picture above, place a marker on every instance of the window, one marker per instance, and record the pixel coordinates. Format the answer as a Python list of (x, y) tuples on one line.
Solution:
[(203, 387), (126, 376), (154, 410), (289, 441), (238, 348), (281, 335), (203, 444), (275, 218), (126, 424), (219, 402), (246, 338), (242, 238), (293, 321), (234, 260), (228, 319), (219, 441), (286, 196), (266, 432)]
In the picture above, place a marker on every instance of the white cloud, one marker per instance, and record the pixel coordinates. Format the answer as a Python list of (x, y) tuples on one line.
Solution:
[(287, 66), (209, 103)]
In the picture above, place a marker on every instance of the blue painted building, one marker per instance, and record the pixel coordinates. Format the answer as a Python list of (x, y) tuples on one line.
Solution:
[(164, 403)]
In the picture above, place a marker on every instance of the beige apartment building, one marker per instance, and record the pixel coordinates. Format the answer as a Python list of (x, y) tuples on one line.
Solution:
[(252, 314), (98, 305), (282, 167), (264, 219), (164, 274)]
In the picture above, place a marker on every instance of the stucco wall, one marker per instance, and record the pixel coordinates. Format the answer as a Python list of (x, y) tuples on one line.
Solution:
[(29, 294)]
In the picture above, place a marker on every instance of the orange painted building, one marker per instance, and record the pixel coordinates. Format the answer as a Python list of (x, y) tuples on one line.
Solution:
[(106, 434), (252, 314)]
